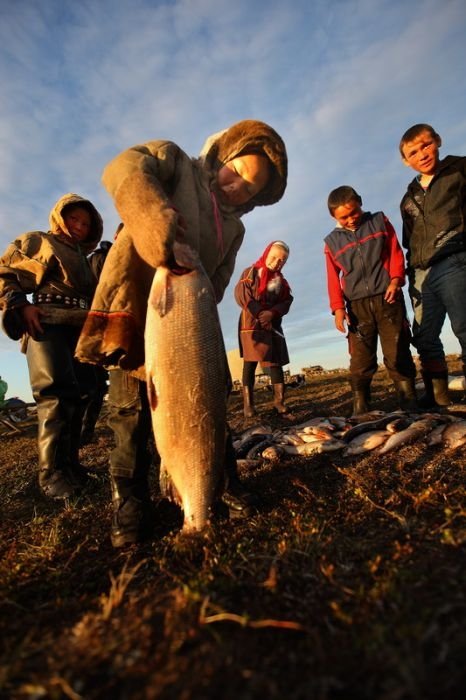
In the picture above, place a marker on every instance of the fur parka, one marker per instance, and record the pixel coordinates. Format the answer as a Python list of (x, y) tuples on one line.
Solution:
[(151, 184)]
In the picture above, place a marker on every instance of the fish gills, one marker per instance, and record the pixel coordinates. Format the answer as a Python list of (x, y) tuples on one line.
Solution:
[(187, 380)]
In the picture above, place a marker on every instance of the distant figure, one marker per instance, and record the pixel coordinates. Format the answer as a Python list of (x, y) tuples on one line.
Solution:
[(365, 270), (3, 390), (265, 297), (53, 267), (434, 234)]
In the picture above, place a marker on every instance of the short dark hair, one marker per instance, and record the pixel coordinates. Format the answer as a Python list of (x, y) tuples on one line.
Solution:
[(342, 195), (413, 132)]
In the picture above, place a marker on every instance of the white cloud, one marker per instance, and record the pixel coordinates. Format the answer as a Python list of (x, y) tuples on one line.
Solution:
[(340, 81)]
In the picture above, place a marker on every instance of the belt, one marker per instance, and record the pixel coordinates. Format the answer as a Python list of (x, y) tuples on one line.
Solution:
[(60, 300)]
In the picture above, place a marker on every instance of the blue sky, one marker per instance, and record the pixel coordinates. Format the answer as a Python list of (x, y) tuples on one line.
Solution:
[(340, 80)]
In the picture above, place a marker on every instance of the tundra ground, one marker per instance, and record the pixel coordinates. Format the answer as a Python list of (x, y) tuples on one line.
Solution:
[(348, 583)]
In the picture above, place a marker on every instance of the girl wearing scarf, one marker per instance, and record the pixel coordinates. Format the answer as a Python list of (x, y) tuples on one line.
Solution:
[(265, 297)]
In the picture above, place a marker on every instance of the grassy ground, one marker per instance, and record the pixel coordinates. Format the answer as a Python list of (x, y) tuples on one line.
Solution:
[(349, 583)]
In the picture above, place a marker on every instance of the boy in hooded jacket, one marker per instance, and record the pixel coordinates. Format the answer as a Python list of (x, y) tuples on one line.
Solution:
[(161, 193), (52, 266)]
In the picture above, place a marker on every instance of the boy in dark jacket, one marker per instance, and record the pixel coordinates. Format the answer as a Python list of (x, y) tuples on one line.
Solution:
[(53, 267), (365, 270), (434, 234)]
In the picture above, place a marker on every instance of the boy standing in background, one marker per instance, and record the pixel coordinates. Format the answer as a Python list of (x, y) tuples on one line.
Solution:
[(433, 212), (365, 270)]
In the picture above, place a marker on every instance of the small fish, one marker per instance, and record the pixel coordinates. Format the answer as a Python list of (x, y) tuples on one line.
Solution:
[(412, 432), (309, 448), (435, 437), (454, 434), (366, 442), (376, 424), (273, 453), (246, 445), (256, 451)]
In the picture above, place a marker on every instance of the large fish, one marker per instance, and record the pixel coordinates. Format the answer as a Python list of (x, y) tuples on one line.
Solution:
[(187, 380)]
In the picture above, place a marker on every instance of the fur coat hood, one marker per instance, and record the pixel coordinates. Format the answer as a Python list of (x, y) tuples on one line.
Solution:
[(245, 137), (58, 226)]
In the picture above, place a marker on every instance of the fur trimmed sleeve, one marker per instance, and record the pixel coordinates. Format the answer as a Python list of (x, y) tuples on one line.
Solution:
[(139, 180)]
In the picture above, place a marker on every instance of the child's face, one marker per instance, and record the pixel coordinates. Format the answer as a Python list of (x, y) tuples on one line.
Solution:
[(78, 222), (422, 153), (276, 258), (349, 215), (242, 178)]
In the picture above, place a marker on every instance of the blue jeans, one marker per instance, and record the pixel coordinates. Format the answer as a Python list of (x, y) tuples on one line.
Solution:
[(131, 422), (435, 293)]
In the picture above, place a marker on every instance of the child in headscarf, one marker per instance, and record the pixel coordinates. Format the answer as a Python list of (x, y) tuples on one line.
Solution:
[(265, 297)]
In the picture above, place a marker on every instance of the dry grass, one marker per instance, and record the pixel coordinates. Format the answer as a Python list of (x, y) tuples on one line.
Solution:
[(349, 583)]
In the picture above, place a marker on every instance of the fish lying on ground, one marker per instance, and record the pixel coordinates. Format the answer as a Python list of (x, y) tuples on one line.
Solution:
[(366, 442), (187, 388), (409, 434), (387, 432), (454, 434)]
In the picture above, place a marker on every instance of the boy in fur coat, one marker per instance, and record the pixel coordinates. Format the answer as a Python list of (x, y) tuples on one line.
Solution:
[(53, 267), (159, 193)]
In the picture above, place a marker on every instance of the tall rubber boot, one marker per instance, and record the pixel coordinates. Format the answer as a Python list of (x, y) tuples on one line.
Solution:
[(278, 398), (436, 389), (248, 401), (55, 479), (133, 514), (406, 393), (361, 396)]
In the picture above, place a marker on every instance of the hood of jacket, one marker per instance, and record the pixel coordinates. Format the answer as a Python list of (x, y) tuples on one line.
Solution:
[(245, 137), (58, 226)]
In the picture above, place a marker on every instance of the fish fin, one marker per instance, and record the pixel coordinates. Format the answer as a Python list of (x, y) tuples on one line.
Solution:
[(151, 392), (158, 297)]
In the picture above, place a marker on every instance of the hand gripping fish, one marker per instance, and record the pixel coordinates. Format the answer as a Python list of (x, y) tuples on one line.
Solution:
[(187, 381)]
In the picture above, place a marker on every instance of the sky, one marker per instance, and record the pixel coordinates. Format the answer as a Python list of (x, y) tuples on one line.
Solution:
[(340, 80)]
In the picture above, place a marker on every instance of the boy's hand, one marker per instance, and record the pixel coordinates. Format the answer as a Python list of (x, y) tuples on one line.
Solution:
[(31, 317), (341, 317), (392, 291)]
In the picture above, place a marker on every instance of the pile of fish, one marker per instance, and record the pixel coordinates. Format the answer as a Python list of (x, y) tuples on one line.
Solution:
[(379, 431)]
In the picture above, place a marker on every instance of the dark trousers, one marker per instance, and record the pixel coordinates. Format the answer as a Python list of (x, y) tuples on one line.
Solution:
[(372, 318), (131, 422), (61, 387)]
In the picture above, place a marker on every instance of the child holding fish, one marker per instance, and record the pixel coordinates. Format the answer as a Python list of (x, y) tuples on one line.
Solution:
[(365, 271), (52, 267), (265, 297), (161, 194), (434, 215)]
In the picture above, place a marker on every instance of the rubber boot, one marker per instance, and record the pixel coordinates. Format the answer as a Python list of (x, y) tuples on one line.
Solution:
[(248, 400), (240, 501), (133, 515), (436, 390), (278, 398), (55, 479), (361, 396), (406, 393)]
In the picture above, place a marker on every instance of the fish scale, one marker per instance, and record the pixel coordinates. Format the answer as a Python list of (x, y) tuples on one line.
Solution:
[(187, 379)]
